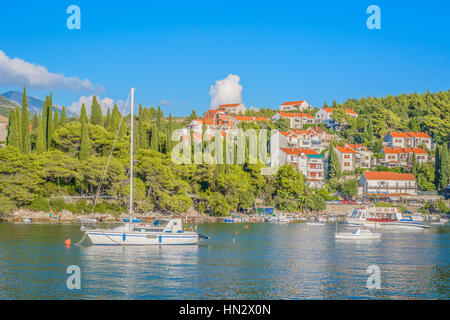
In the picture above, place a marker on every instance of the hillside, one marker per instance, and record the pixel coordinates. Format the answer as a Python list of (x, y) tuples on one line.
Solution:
[(5, 105), (34, 104)]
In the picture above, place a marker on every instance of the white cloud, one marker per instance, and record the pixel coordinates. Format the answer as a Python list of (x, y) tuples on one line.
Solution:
[(15, 71), (226, 91), (105, 103)]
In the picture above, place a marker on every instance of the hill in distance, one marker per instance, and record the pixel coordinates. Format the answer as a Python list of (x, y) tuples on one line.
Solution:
[(15, 97)]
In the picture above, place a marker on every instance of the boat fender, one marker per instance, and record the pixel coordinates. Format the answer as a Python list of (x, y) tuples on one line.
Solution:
[(124, 236)]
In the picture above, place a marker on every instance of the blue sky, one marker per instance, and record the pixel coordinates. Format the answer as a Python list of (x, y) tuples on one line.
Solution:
[(173, 51)]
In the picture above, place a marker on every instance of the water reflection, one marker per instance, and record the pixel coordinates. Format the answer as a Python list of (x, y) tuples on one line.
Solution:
[(265, 261)]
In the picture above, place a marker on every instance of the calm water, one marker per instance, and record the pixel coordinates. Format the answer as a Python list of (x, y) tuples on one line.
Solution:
[(266, 261)]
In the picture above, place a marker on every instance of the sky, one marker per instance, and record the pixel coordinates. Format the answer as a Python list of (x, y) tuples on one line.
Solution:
[(184, 55)]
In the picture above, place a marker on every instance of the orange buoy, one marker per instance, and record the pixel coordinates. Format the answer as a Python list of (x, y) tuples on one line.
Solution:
[(67, 242), (246, 226), (236, 232)]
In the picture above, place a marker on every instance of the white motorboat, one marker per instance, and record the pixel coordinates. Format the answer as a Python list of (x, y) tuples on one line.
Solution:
[(161, 232), (358, 234), (27, 220), (440, 222), (389, 218)]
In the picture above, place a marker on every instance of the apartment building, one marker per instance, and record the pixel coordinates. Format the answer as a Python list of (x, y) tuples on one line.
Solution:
[(400, 157), (384, 183), (236, 108), (407, 140), (296, 120), (307, 161), (295, 105), (352, 156)]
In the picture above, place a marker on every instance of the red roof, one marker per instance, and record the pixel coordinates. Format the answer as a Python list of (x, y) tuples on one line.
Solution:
[(387, 175), (295, 115), (246, 118), (329, 110), (298, 151), (350, 111), (345, 149), (292, 103), (403, 150), (409, 134)]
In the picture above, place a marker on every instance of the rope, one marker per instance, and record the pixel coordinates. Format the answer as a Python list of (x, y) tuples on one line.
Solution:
[(110, 155), (82, 239)]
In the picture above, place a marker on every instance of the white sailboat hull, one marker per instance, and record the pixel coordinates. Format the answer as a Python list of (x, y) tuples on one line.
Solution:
[(137, 238)]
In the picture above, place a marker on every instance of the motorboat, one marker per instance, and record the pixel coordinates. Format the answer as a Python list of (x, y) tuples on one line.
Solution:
[(358, 234), (27, 220), (86, 220), (312, 223)]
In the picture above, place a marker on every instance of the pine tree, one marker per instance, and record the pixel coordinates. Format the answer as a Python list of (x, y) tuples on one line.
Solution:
[(49, 120), (63, 119), (96, 113), (334, 167), (40, 142), (13, 130), (84, 142), (44, 120)]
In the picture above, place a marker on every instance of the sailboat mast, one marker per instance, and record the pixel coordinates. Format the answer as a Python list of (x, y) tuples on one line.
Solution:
[(131, 155)]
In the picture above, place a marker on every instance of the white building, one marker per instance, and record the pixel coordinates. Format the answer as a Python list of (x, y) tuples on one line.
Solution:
[(236, 108), (296, 120), (307, 161), (352, 156), (295, 105), (388, 184), (407, 140), (400, 157)]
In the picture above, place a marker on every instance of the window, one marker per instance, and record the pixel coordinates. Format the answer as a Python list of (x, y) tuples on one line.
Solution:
[(346, 156)]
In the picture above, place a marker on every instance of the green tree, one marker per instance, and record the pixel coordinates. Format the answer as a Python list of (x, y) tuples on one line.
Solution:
[(40, 142), (96, 113), (63, 120), (334, 167), (56, 121), (13, 130), (84, 142), (26, 141)]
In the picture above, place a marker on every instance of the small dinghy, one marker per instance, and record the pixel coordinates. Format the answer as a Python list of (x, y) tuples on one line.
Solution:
[(358, 234)]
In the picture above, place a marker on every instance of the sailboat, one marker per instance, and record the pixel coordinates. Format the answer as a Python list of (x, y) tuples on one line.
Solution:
[(133, 231)]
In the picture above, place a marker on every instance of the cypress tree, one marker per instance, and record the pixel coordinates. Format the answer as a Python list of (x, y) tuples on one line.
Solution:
[(84, 142), (108, 119), (443, 167), (19, 128), (334, 167), (169, 135), (63, 119), (154, 141), (35, 122), (13, 130), (26, 141), (56, 120), (49, 120), (96, 113), (40, 142)]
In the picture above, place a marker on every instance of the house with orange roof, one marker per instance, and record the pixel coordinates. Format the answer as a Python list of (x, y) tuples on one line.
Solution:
[(388, 184), (307, 161), (296, 120), (400, 157), (297, 138), (352, 156), (395, 139), (234, 108), (239, 119), (301, 105)]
